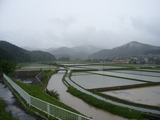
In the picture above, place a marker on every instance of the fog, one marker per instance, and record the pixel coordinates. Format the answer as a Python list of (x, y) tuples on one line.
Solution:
[(56, 23)]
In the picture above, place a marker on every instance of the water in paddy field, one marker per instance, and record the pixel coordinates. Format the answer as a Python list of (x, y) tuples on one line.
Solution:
[(55, 83), (144, 95), (12, 104), (90, 81)]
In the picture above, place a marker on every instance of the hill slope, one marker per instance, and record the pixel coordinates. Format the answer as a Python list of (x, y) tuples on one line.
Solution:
[(4, 55), (41, 56), (130, 49), (79, 52), (18, 53), (21, 55)]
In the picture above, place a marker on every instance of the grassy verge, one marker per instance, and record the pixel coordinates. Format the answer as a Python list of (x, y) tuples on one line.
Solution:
[(37, 91), (126, 102), (121, 111), (5, 115), (97, 90), (125, 87), (121, 77), (125, 112)]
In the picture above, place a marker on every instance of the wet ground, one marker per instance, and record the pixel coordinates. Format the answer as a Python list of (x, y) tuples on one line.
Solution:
[(12, 104)]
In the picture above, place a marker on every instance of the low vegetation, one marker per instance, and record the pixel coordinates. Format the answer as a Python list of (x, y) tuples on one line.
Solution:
[(5, 115), (53, 93), (6, 66), (121, 111), (125, 101), (38, 92), (124, 112)]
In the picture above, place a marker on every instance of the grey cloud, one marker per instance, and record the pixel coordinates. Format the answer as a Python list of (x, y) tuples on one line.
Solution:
[(71, 23), (151, 26), (63, 22)]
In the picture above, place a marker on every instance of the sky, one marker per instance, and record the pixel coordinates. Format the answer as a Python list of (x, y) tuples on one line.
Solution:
[(100, 23)]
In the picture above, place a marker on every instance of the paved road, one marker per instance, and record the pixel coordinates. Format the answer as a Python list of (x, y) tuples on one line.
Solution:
[(110, 101)]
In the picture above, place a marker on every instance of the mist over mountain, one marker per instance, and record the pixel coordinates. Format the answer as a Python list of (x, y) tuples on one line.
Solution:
[(78, 52), (130, 49), (13, 52)]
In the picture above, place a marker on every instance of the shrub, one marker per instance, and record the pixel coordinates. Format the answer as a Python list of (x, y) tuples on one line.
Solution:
[(53, 93)]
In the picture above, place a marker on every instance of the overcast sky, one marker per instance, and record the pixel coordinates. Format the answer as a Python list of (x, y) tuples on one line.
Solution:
[(56, 23)]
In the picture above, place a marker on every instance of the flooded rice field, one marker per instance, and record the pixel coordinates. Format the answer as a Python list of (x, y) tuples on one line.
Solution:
[(55, 83), (94, 67), (153, 70), (126, 75), (144, 95), (90, 81), (37, 67), (12, 104), (153, 74), (99, 67)]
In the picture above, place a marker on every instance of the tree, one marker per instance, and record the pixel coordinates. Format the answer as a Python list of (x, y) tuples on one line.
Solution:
[(6, 66)]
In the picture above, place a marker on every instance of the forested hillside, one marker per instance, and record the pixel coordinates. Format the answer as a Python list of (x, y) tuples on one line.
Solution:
[(41, 56), (12, 52)]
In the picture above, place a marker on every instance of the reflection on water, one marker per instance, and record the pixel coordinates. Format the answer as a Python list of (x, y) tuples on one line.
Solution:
[(145, 95), (140, 77), (11, 104), (55, 83), (154, 74), (98, 81)]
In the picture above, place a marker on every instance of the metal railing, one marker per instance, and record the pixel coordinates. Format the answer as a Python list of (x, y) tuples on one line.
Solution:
[(48, 108)]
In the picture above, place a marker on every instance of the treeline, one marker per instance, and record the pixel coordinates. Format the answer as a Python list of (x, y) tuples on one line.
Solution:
[(7, 67)]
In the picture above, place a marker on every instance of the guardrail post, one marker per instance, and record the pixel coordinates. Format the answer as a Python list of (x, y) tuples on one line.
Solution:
[(48, 109), (79, 118), (29, 100)]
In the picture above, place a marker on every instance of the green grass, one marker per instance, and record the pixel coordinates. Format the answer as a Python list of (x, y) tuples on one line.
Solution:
[(53, 93), (126, 102), (121, 111), (97, 90), (5, 115), (37, 91)]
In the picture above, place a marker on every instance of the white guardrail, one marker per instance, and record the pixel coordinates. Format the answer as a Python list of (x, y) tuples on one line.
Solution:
[(50, 109)]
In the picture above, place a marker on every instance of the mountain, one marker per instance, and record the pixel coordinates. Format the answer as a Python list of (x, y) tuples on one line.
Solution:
[(63, 52), (41, 56), (18, 53), (22, 55), (86, 48), (79, 52), (153, 52), (130, 49), (4, 55)]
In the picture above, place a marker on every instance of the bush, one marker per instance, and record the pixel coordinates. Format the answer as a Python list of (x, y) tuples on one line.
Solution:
[(53, 93)]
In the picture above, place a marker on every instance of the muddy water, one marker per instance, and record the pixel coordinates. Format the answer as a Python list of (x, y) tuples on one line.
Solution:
[(145, 95), (12, 104), (55, 83)]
